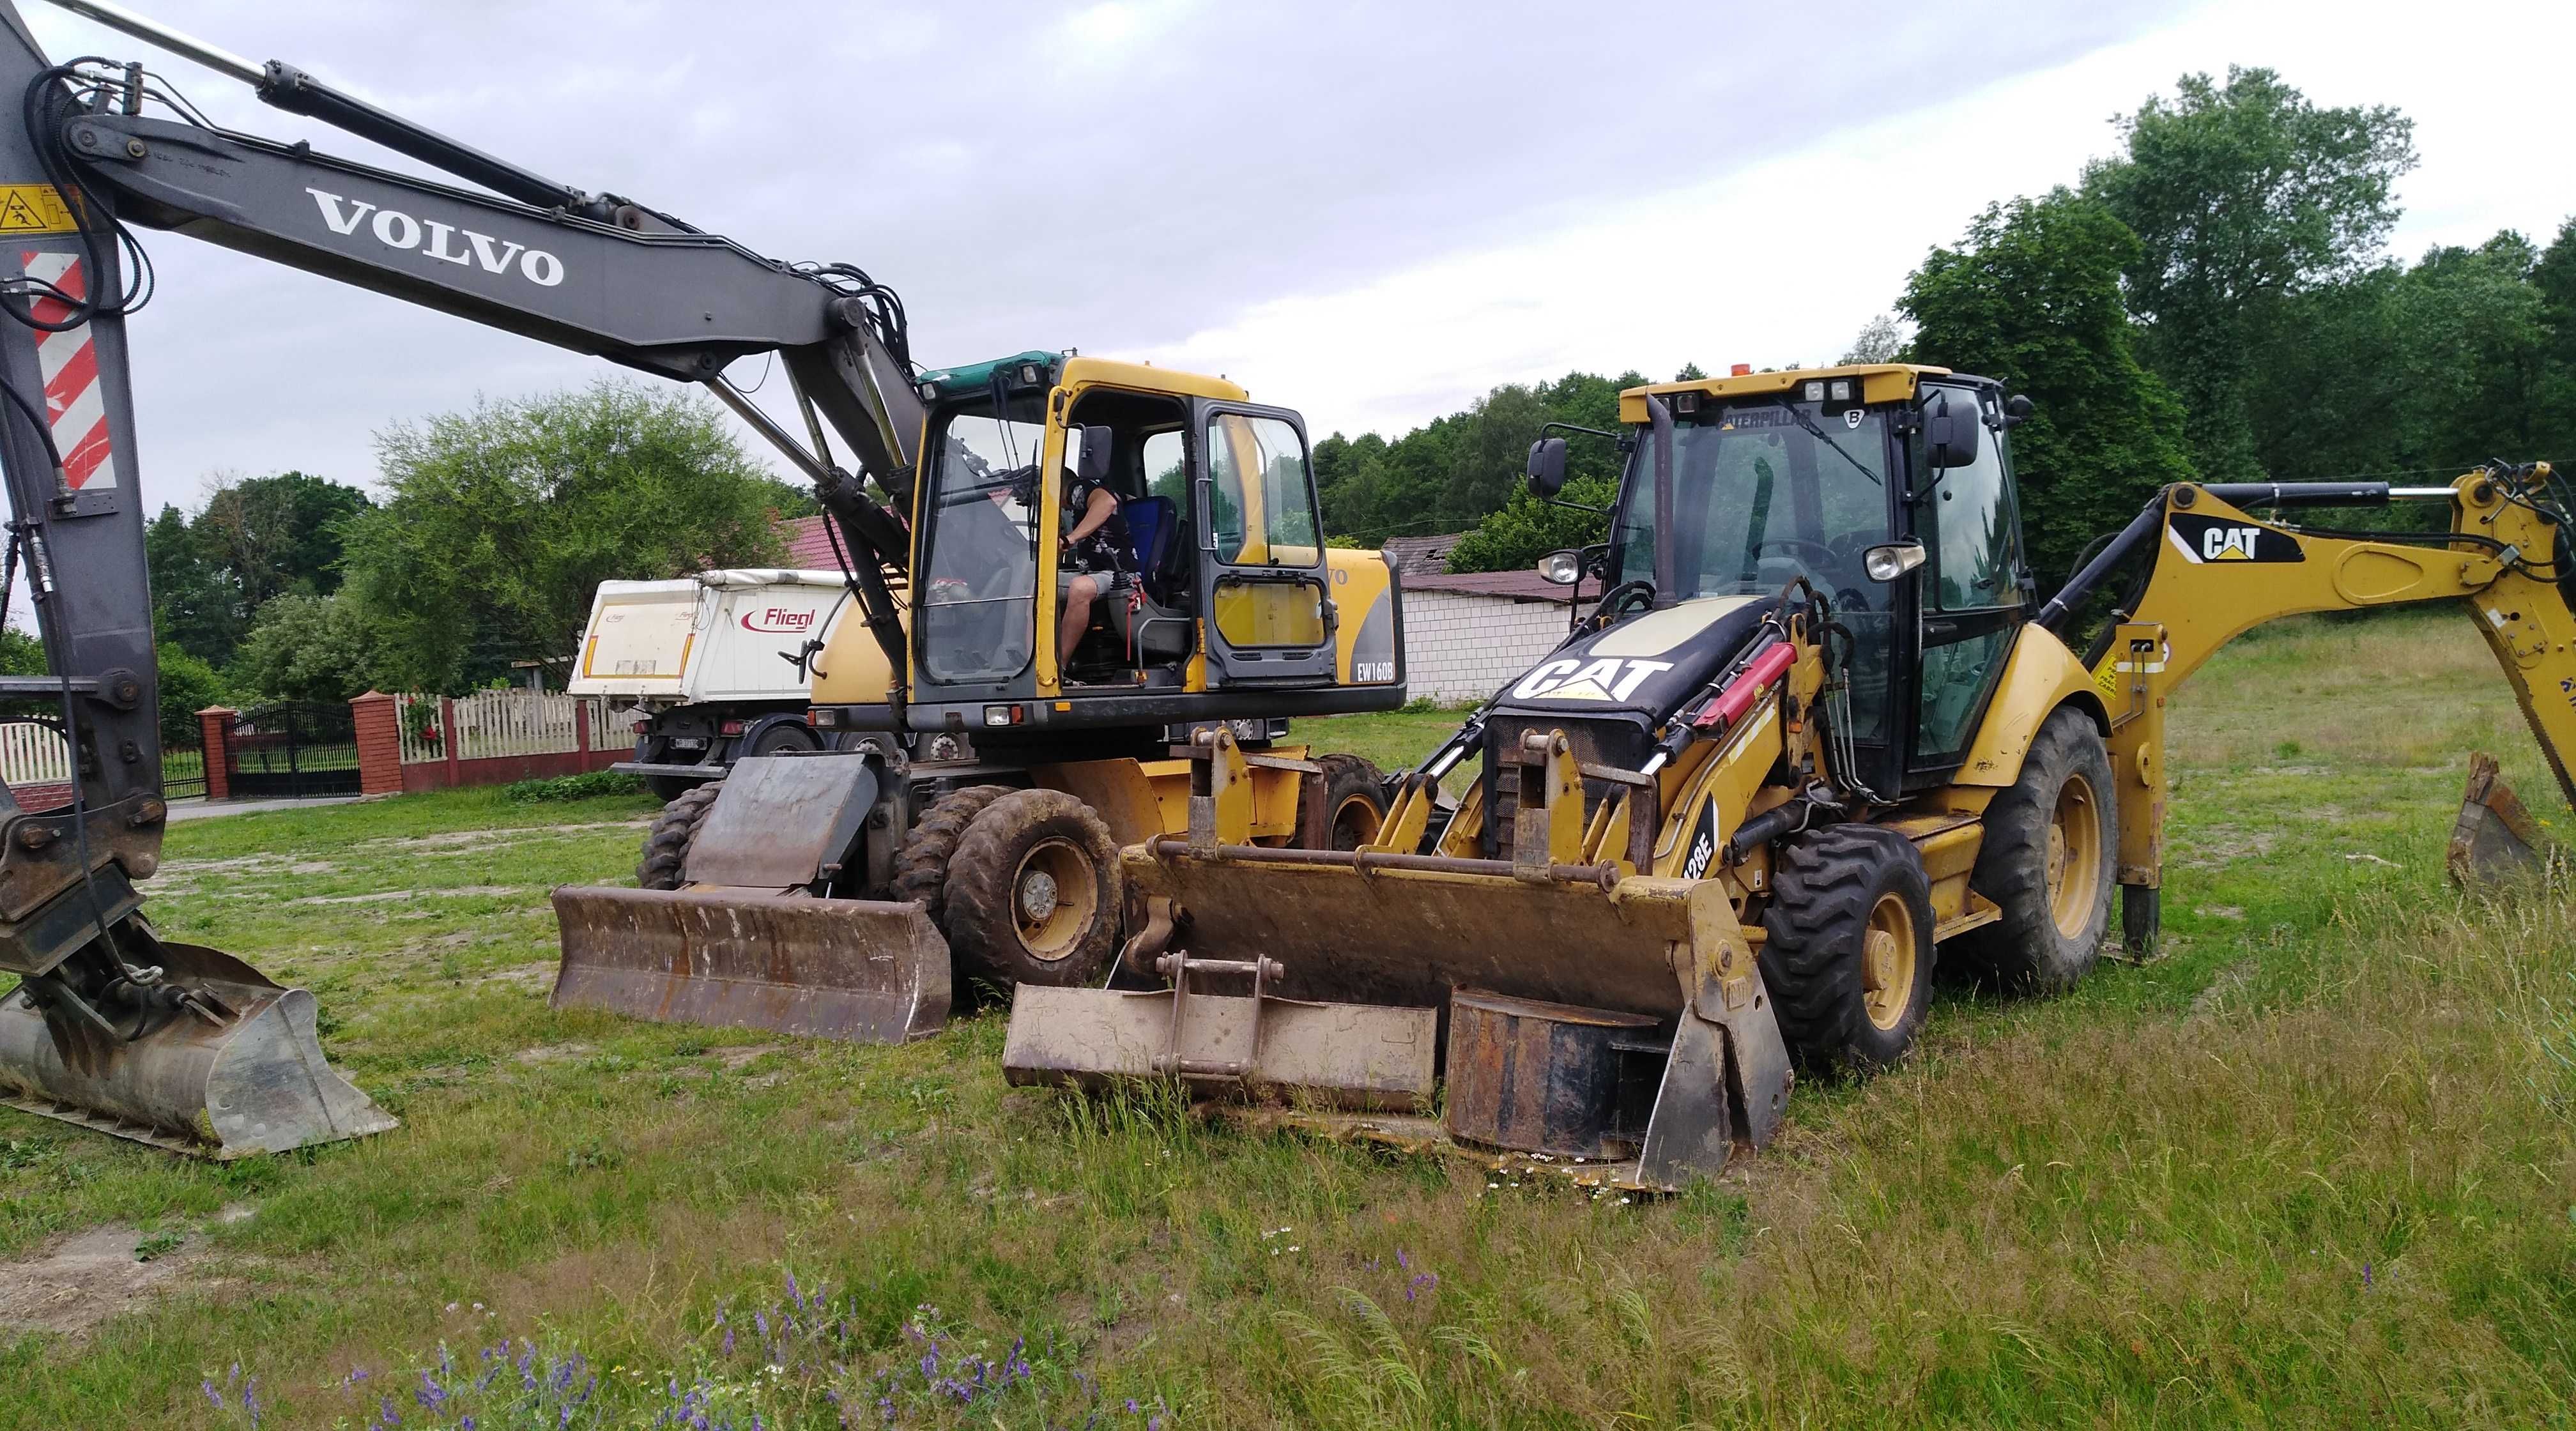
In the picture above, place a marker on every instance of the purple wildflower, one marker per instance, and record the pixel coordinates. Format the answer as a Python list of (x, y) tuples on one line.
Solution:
[(213, 1395), (2365, 1275)]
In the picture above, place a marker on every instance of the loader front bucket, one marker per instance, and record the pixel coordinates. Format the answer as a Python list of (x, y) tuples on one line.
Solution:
[(868, 971), (2494, 840), (252, 1080), (1337, 943)]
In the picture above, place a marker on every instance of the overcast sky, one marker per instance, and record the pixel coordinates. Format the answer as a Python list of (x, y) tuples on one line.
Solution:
[(1373, 213)]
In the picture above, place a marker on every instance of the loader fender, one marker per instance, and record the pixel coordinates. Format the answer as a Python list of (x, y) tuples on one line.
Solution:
[(2039, 676)]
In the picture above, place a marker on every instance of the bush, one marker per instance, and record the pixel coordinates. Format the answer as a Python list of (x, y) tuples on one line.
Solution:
[(590, 785)]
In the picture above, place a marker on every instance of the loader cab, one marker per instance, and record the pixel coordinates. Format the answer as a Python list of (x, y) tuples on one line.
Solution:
[(1222, 578), (1796, 475)]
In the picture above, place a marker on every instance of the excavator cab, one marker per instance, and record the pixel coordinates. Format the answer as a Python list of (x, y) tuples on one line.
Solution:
[(1211, 572)]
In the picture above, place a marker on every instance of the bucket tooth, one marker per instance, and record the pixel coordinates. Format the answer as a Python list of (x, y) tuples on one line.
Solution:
[(255, 1082), (866, 971)]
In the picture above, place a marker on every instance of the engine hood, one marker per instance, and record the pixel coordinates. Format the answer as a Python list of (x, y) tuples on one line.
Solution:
[(1645, 667)]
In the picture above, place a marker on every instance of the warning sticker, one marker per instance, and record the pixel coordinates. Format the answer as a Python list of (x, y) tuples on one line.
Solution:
[(33, 209)]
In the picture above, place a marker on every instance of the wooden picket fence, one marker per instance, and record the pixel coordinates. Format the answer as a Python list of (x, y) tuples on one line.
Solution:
[(32, 754), (489, 724)]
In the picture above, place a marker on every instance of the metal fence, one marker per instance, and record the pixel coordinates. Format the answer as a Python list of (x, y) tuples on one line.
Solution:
[(294, 749), (515, 721)]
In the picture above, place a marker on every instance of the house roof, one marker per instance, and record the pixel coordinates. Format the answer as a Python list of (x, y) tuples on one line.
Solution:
[(1509, 585), (808, 545), (1425, 556)]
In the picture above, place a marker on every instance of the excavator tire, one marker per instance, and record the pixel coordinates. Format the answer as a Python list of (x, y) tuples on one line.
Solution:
[(2049, 863), (666, 841), (1847, 948), (1354, 805), (1033, 894), (921, 865)]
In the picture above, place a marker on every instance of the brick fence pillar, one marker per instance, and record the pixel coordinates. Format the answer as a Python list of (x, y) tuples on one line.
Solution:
[(379, 727), (216, 723)]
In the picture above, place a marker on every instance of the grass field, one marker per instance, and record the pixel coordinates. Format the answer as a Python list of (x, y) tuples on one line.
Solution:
[(2314, 1167)]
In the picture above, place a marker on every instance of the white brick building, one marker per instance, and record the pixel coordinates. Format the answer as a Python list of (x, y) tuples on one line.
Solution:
[(1465, 635)]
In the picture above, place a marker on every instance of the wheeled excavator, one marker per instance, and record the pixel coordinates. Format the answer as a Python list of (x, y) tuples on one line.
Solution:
[(973, 786), (1816, 733)]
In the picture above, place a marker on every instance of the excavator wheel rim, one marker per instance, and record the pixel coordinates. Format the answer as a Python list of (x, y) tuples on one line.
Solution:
[(1053, 894), (2074, 855), (1356, 821), (1887, 960)]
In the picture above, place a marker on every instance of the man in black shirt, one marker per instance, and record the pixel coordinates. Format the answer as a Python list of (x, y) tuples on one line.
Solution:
[(1098, 559)]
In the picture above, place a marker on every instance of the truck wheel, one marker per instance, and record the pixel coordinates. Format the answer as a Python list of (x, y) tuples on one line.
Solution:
[(1847, 947), (2049, 863), (666, 840), (1354, 805), (1033, 893), (921, 865)]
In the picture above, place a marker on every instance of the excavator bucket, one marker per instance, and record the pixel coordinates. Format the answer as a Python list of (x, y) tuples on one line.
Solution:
[(1356, 957), (2495, 840), (743, 944), (238, 1071)]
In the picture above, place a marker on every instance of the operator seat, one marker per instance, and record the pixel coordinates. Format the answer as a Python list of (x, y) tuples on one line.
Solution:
[(1154, 524)]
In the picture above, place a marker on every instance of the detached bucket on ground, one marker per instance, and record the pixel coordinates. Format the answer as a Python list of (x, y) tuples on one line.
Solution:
[(862, 970), (222, 1088)]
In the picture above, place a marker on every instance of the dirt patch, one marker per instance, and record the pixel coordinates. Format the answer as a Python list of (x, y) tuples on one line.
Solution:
[(79, 1281), (556, 1052), (2230, 981), (523, 976), (2223, 846), (450, 839), (461, 891)]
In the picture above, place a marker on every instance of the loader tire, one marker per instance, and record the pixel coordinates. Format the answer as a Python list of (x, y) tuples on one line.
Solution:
[(666, 840), (921, 865), (1354, 805), (2049, 863), (1847, 947), (1034, 893)]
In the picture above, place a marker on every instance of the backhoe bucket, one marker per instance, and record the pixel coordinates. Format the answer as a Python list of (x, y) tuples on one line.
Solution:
[(253, 1082), (2495, 840), (1343, 943), (868, 971)]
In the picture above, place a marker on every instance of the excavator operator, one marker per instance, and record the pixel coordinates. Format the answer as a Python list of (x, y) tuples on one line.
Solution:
[(1097, 557)]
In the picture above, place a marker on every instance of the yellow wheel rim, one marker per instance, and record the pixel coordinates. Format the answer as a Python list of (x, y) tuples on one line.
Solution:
[(1053, 895), (1887, 960), (2074, 856), (1355, 822)]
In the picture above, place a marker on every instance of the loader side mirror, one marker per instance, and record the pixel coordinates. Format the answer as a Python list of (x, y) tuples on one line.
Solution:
[(2016, 409), (1547, 467), (1891, 560), (1950, 432), (1093, 465), (1561, 568)]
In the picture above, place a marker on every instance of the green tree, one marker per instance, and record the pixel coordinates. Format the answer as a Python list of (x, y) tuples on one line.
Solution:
[(22, 653), (498, 524), (2236, 192), (2031, 297), (1525, 529), (188, 685), (280, 533), (2554, 278), (196, 603), (306, 648)]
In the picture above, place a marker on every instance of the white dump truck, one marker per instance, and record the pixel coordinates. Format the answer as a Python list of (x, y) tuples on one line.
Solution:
[(712, 666)]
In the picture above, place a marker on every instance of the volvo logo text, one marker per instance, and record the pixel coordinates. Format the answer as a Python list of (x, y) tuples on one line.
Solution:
[(395, 229)]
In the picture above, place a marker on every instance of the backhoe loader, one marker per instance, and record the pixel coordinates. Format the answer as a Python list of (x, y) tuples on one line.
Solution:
[(942, 695), (1815, 734)]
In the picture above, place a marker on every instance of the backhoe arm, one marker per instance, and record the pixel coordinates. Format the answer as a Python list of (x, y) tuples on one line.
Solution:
[(2219, 572)]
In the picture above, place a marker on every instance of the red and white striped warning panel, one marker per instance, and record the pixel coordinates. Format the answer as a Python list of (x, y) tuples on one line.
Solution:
[(74, 398)]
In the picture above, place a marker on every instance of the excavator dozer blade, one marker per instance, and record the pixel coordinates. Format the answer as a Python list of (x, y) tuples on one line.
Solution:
[(863, 970), (255, 1082), (1354, 958), (2495, 840)]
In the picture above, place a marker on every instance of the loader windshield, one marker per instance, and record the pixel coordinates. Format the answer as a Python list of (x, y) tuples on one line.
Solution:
[(976, 617), (1766, 493), (1762, 500)]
